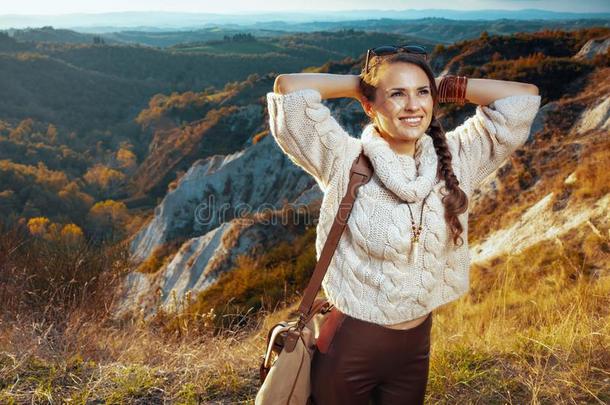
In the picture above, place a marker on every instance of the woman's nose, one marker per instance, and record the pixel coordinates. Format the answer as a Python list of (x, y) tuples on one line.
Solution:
[(412, 104)]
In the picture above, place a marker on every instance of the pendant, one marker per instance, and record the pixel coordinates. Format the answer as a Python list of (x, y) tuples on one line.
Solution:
[(414, 250)]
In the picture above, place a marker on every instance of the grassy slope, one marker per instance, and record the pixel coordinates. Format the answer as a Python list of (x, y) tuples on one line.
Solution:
[(539, 336)]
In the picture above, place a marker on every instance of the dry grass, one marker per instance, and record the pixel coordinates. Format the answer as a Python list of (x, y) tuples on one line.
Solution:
[(535, 328), (132, 363)]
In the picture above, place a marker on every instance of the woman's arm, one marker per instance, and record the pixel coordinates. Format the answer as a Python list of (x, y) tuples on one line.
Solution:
[(304, 127), (501, 124), (486, 91), (478, 91), (327, 84)]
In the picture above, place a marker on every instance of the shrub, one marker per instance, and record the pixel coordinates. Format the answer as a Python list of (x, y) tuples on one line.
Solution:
[(47, 279)]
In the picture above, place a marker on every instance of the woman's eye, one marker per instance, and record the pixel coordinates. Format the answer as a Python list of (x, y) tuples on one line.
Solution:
[(401, 93)]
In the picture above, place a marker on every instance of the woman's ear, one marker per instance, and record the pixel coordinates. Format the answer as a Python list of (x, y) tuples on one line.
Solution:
[(367, 107)]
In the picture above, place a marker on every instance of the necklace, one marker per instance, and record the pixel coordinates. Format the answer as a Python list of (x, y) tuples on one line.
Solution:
[(416, 230)]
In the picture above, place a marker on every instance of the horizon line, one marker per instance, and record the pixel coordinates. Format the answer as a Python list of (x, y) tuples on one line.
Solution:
[(255, 12)]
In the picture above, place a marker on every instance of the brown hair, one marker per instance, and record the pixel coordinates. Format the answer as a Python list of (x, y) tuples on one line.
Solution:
[(455, 201)]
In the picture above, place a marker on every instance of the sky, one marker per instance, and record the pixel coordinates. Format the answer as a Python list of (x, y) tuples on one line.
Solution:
[(47, 7)]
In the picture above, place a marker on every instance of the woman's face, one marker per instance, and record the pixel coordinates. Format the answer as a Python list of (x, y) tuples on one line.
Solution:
[(403, 104)]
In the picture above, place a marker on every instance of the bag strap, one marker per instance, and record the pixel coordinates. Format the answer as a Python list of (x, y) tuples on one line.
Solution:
[(360, 173)]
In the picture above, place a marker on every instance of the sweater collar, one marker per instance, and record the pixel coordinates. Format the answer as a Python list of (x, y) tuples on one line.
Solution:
[(410, 178)]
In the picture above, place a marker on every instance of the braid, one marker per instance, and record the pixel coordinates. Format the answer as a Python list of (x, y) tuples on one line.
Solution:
[(455, 201)]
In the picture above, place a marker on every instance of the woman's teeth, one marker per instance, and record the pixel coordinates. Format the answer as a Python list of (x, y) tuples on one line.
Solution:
[(415, 121)]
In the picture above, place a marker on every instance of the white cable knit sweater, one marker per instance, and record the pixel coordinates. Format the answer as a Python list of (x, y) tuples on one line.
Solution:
[(370, 276)]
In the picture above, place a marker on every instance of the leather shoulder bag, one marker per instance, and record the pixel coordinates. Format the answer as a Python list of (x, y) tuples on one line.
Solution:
[(286, 364)]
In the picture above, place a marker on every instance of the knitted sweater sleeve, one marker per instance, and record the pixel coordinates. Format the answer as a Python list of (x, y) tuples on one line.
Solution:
[(485, 140), (306, 131)]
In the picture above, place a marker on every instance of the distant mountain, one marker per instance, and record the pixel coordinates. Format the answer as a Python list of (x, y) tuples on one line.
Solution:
[(50, 34), (103, 22), (431, 29)]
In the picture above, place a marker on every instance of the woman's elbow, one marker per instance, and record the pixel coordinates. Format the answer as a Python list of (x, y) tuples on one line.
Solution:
[(279, 85), (531, 89)]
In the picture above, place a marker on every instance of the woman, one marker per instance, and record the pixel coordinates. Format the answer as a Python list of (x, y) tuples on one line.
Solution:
[(404, 251)]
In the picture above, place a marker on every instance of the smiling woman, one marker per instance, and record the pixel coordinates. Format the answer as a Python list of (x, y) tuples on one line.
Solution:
[(402, 105), (381, 282)]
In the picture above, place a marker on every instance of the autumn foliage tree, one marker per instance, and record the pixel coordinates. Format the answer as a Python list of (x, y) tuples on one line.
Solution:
[(38, 226), (107, 221), (42, 227), (104, 181), (72, 234), (126, 160)]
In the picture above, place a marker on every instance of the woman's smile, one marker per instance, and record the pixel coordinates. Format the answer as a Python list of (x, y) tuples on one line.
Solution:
[(412, 121)]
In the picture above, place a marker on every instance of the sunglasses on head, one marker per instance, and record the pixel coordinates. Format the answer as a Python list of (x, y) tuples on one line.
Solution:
[(390, 49)]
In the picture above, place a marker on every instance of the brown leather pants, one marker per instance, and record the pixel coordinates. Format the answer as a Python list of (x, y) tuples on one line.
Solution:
[(367, 362)]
